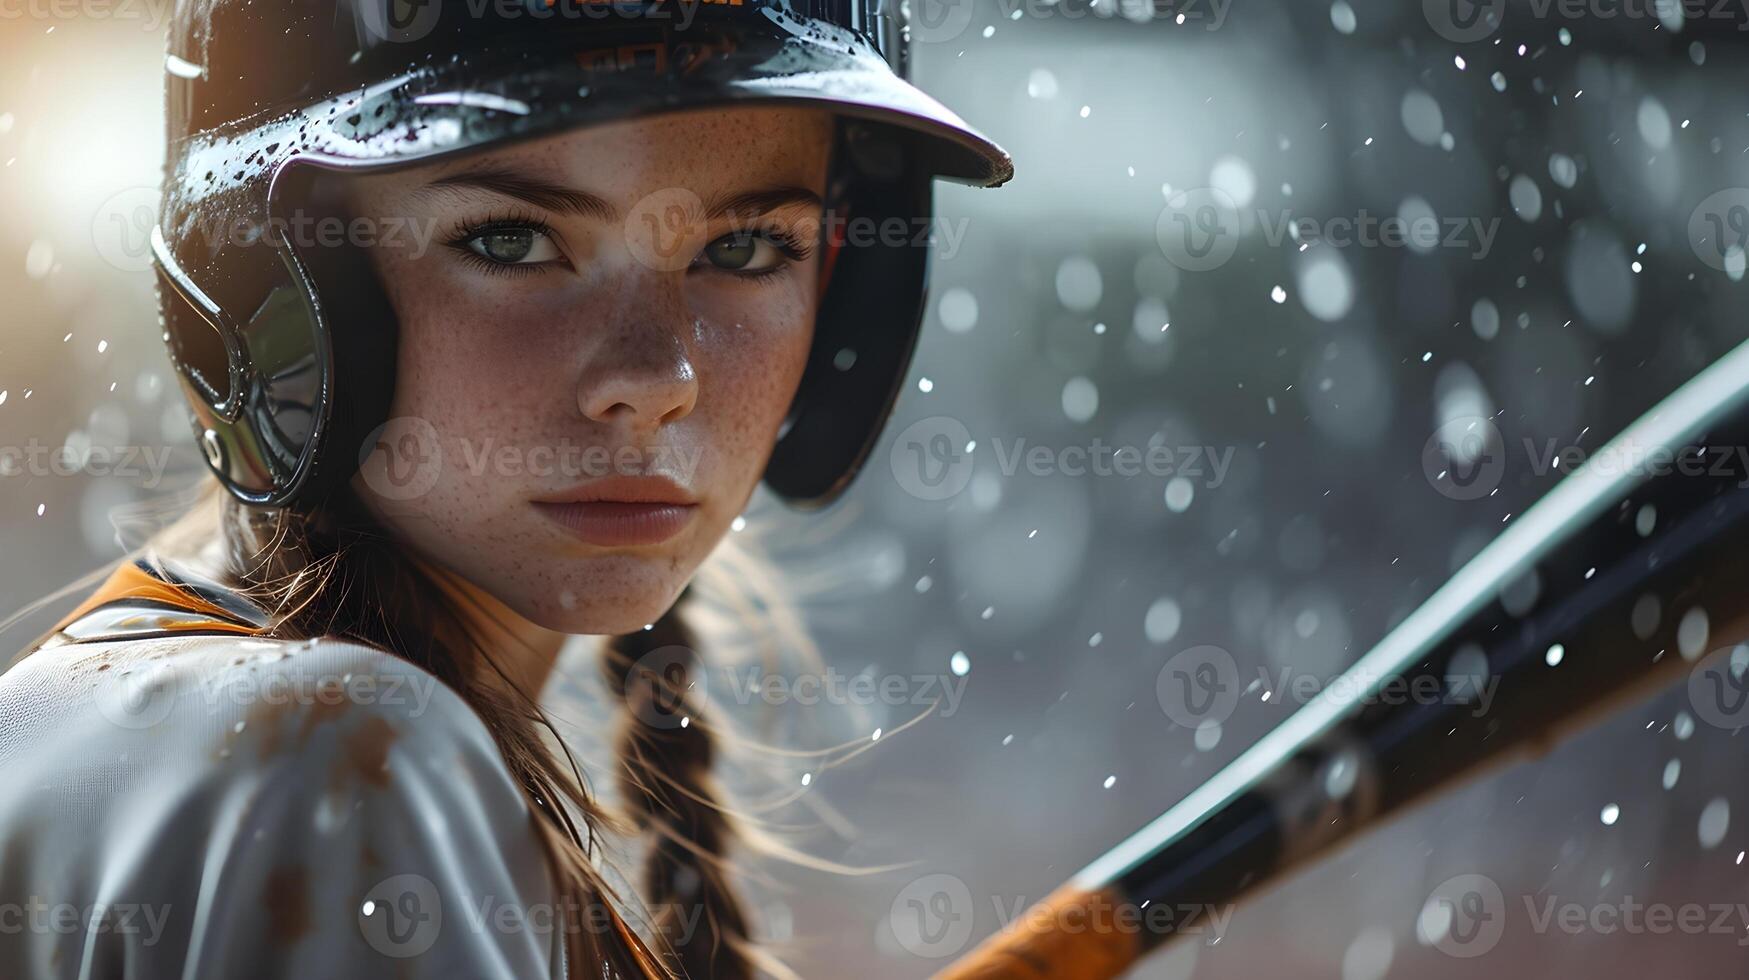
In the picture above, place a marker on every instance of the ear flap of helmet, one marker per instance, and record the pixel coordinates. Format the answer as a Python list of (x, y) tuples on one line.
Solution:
[(281, 401), (868, 323)]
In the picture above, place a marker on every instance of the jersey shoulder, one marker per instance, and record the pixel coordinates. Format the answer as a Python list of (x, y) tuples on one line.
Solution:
[(282, 808)]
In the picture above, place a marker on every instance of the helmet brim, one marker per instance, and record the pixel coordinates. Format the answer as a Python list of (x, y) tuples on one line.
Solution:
[(473, 102)]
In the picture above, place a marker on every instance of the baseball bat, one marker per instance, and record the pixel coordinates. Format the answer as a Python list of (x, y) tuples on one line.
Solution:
[(1623, 576)]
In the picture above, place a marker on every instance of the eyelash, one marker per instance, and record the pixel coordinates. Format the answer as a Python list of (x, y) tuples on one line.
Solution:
[(466, 232), (792, 247)]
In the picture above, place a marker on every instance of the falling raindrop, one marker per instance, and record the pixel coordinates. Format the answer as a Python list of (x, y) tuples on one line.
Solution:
[(1162, 620), (1692, 632), (1342, 17), (1715, 820), (1179, 494), (1422, 118), (958, 310), (1080, 399)]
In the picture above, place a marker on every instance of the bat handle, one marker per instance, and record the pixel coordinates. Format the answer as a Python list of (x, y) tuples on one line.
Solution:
[(1073, 934)]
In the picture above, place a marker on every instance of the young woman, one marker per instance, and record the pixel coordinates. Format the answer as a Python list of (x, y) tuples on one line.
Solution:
[(489, 321)]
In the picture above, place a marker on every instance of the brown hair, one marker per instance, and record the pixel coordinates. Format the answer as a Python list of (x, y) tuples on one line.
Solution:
[(334, 572)]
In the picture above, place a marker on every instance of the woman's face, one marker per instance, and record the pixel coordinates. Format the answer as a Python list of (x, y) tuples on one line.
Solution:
[(596, 352)]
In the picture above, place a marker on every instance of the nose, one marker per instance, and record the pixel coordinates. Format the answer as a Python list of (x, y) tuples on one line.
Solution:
[(643, 378)]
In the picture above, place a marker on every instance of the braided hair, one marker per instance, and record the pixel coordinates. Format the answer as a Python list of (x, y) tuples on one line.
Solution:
[(665, 757)]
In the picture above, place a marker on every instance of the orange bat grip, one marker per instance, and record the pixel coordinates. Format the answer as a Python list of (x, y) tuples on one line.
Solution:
[(1071, 935)]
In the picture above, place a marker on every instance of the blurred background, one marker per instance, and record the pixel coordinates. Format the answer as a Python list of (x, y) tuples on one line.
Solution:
[(1586, 167)]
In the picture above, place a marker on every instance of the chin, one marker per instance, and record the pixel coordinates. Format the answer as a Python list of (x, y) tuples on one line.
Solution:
[(582, 605)]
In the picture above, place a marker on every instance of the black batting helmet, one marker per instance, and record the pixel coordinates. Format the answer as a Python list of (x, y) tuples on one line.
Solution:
[(271, 345)]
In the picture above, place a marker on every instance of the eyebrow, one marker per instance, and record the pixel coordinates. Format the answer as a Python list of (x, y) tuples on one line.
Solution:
[(569, 200)]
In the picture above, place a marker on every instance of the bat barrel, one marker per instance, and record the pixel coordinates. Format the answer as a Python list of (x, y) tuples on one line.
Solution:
[(1576, 606)]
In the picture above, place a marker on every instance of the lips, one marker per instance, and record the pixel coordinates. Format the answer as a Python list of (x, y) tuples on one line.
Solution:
[(622, 511)]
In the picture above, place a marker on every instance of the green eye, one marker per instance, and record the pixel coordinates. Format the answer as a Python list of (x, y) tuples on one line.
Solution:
[(746, 253), (733, 252), (514, 246)]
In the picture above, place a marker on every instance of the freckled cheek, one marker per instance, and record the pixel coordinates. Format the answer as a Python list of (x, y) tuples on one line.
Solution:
[(460, 356), (750, 378)]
